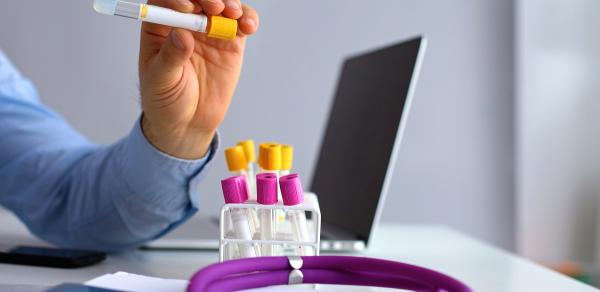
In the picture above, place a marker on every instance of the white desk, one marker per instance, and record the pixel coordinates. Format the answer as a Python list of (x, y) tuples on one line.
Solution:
[(481, 266)]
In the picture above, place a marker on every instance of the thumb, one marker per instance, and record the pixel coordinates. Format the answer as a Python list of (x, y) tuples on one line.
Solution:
[(177, 49)]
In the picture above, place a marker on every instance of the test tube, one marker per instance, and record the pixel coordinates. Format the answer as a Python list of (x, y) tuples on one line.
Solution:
[(214, 26), (235, 191), (271, 160), (237, 165), (292, 193), (287, 158), (249, 153), (263, 156), (266, 187)]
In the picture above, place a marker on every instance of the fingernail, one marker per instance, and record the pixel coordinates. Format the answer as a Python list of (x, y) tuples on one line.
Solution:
[(176, 40), (233, 5), (185, 2)]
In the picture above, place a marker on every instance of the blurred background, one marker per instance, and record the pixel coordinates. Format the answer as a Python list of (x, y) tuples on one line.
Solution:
[(503, 135)]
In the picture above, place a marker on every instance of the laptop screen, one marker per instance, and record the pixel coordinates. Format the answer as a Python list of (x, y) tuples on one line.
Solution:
[(360, 136)]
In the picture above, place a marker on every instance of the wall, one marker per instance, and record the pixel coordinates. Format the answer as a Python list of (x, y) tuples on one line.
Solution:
[(558, 166), (455, 166)]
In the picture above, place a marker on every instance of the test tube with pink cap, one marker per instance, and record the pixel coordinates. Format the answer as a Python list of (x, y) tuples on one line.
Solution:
[(235, 191), (266, 189), (293, 194)]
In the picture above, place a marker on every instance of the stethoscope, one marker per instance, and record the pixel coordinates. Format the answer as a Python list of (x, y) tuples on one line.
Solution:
[(260, 272)]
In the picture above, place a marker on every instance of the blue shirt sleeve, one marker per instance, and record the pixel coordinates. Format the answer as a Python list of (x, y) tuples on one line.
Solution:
[(74, 193)]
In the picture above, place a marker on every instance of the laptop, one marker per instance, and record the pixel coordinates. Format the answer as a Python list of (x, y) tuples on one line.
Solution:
[(358, 151)]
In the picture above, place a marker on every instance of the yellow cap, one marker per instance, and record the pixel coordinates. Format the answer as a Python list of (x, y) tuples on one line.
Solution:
[(272, 157), (222, 28), (248, 146), (287, 157), (236, 160), (262, 153)]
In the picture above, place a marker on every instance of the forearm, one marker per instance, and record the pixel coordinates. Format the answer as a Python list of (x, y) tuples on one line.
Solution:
[(105, 198), (74, 193)]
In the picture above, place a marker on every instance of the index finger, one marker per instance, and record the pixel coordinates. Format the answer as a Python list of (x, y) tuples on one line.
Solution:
[(212, 7), (233, 9), (249, 21)]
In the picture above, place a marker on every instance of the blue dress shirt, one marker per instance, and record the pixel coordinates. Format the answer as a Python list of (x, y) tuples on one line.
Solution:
[(74, 193)]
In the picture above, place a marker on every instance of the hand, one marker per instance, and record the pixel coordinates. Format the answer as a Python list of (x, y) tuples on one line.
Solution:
[(187, 79)]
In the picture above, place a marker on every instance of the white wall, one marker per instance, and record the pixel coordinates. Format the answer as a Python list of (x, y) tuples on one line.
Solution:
[(558, 130), (456, 164)]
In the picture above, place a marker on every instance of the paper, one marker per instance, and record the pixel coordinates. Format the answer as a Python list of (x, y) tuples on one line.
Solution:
[(123, 281)]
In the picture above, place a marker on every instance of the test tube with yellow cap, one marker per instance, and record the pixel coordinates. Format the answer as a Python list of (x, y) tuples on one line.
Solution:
[(270, 160), (269, 157), (214, 26), (262, 148), (237, 165), (249, 153), (287, 158)]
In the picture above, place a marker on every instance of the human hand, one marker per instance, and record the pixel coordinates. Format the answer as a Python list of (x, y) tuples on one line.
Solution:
[(187, 79)]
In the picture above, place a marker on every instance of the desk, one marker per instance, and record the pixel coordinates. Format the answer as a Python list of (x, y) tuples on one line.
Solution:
[(481, 266)]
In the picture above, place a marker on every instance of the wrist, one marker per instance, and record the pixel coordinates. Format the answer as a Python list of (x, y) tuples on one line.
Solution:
[(180, 142)]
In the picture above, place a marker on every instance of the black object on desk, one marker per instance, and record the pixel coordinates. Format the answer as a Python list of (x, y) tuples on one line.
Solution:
[(49, 257)]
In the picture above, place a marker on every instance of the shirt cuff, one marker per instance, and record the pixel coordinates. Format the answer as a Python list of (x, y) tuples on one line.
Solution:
[(159, 178)]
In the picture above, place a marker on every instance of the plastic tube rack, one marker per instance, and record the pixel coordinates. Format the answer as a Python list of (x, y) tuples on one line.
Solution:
[(283, 244)]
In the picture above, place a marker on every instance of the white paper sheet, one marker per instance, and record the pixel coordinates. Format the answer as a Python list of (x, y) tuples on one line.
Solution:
[(123, 281), (137, 283)]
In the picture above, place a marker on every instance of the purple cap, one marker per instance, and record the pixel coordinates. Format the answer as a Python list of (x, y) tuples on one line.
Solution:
[(266, 188), (235, 189), (291, 189)]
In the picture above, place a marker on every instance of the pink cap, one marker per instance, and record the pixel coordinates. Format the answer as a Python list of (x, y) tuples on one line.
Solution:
[(291, 189), (266, 188), (235, 189)]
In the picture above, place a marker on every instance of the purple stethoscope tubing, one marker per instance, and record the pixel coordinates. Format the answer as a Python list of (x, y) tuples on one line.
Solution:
[(316, 276), (250, 273)]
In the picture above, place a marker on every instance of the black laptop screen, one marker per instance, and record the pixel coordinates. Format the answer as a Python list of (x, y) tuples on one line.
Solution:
[(360, 135)]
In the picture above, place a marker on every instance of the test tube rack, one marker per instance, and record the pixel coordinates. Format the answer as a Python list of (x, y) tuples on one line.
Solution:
[(287, 244)]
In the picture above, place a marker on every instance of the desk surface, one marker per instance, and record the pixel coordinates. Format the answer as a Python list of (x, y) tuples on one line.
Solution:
[(481, 266)]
